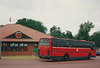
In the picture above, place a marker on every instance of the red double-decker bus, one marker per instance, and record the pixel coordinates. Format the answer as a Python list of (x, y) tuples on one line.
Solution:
[(55, 48)]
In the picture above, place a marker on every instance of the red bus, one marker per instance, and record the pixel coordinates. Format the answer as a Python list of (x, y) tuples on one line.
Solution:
[(55, 48)]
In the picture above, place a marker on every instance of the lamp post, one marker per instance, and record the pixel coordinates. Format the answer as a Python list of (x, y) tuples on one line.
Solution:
[(0, 40)]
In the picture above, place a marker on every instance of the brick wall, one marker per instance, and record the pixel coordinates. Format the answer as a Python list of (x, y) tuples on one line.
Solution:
[(15, 53)]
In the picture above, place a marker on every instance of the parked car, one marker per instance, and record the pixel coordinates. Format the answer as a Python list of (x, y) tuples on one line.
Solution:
[(98, 53)]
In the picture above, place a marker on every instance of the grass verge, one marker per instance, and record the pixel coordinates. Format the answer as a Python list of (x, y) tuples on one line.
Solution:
[(19, 57)]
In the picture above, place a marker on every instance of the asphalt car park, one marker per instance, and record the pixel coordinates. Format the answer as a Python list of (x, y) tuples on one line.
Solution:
[(79, 63)]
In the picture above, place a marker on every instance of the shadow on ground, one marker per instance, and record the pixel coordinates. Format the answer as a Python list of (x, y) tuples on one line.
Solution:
[(50, 60)]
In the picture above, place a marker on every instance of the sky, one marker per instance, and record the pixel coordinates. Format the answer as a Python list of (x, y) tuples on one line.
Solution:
[(66, 14)]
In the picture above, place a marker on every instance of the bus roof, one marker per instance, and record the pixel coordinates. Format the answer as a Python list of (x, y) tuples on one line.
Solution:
[(68, 39)]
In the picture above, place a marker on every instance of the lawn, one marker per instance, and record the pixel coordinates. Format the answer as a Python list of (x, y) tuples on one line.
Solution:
[(19, 57)]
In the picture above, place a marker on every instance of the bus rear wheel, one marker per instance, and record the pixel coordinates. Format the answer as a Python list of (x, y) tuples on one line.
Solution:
[(66, 57)]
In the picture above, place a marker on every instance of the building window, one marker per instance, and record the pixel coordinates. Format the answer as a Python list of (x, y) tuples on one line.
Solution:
[(5, 47), (23, 47), (35, 44), (13, 47)]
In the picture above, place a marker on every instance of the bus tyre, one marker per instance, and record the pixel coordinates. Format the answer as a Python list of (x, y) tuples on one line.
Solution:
[(66, 57), (89, 56)]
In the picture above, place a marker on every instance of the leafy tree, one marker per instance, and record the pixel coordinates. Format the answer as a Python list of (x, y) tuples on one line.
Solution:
[(56, 32), (63, 35), (69, 34), (37, 25), (96, 38), (84, 30)]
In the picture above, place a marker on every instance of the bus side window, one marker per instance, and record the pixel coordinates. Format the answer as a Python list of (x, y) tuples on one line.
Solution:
[(58, 43), (53, 42), (63, 43), (83, 45), (75, 44), (78, 44), (68, 43), (72, 43)]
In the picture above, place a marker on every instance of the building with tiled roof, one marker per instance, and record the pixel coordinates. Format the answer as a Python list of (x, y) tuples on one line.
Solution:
[(19, 40)]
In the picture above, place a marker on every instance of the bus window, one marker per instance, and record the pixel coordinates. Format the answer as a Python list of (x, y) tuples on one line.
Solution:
[(87, 44), (54, 42), (75, 44), (64, 43), (67, 43), (59, 43)]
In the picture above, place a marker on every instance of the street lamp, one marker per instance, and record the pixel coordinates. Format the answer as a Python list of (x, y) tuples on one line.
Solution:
[(0, 39)]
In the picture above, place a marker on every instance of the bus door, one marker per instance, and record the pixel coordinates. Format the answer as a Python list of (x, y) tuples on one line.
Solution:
[(93, 48)]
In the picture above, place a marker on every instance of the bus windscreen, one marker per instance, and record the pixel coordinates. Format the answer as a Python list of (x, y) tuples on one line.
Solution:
[(44, 42)]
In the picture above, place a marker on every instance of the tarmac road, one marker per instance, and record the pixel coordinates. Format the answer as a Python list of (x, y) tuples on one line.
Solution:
[(92, 63)]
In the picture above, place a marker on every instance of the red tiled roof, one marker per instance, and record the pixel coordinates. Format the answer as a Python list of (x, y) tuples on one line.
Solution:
[(12, 28)]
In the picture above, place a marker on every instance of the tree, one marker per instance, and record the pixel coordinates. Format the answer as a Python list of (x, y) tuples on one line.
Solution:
[(37, 25), (56, 32), (84, 30), (69, 34), (96, 38)]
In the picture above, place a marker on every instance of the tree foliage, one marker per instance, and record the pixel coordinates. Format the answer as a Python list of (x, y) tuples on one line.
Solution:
[(37, 25), (56, 32), (83, 33), (96, 38), (69, 34), (84, 30)]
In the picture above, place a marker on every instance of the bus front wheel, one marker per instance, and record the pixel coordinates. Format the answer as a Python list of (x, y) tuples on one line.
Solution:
[(89, 56)]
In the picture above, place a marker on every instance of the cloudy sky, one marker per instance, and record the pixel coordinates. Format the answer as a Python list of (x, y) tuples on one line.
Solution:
[(67, 14)]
